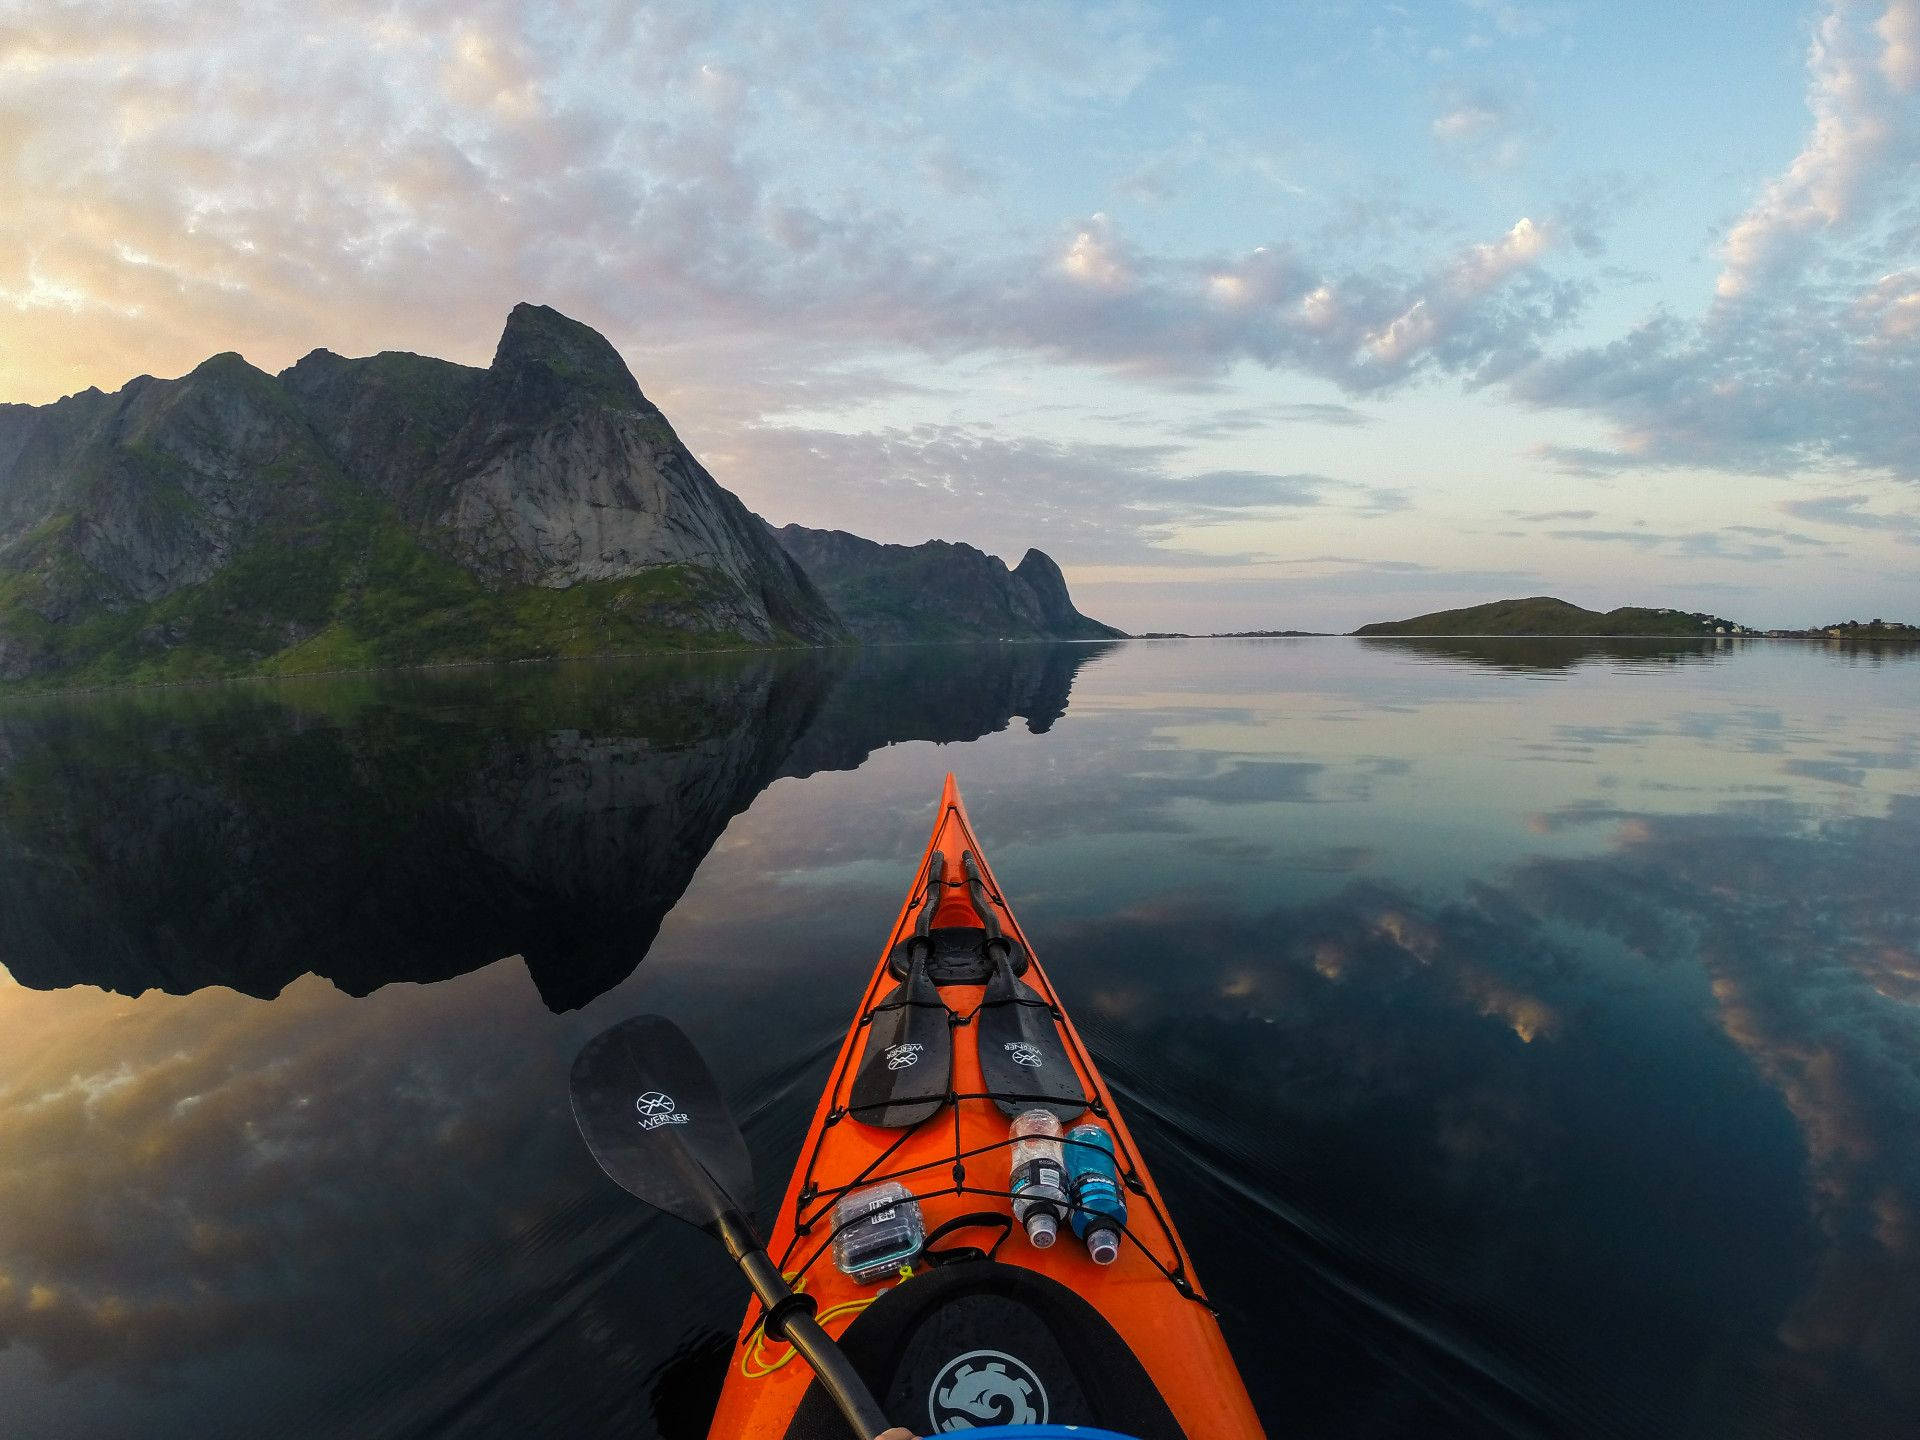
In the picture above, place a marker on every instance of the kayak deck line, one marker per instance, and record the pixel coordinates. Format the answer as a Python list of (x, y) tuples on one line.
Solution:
[(1143, 1323)]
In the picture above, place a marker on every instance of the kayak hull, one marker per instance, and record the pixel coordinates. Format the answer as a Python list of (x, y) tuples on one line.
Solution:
[(956, 1164)]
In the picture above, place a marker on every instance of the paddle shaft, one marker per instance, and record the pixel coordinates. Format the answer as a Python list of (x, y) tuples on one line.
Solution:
[(997, 942), (923, 922), (799, 1329)]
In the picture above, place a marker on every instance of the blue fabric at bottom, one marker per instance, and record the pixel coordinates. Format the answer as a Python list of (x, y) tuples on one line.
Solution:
[(1041, 1432)]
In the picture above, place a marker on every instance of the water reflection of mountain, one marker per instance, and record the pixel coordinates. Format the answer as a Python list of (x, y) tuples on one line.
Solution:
[(1547, 652), (416, 827)]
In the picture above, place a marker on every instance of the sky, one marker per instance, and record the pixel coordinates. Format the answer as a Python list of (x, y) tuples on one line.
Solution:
[(1255, 316)]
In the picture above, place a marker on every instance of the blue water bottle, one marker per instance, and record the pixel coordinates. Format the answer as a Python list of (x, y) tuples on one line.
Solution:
[(1093, 1185)]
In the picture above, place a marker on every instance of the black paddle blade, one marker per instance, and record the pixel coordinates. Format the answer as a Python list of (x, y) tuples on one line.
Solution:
[(653, 1117), (1020, 1049), (907, 1068)]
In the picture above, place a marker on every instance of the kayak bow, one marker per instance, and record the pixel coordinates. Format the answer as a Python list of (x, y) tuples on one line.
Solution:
[(981, 1328)]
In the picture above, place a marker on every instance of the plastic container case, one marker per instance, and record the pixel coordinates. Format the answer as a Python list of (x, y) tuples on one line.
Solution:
[(877, 1230)]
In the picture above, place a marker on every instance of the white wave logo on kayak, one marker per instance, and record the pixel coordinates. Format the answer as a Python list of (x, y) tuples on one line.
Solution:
[(899, 1057), (1022, 1053), (985, 1387), (656, 1109)]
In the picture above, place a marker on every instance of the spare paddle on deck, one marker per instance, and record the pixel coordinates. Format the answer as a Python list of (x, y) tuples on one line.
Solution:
[(1023, 1063), (654, 1119), (907, 1068)]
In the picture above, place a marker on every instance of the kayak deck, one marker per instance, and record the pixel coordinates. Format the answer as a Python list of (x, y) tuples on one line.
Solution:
[(956, 1164)]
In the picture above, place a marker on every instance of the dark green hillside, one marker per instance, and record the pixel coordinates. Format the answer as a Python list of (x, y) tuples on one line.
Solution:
[(1544, 615)]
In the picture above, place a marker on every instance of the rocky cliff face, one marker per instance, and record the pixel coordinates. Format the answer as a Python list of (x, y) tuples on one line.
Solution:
[(549, 468), (938, 590), (391, 509)]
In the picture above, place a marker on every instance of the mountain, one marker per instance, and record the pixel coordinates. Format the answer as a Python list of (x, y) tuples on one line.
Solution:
[(1544, 615), (938, 590), (388, 510)]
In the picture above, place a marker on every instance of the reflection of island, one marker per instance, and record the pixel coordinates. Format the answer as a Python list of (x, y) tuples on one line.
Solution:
[(1546, 652), (416, 827)]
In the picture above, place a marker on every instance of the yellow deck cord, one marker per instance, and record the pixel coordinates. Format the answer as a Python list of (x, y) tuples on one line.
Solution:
[(754, 1364)]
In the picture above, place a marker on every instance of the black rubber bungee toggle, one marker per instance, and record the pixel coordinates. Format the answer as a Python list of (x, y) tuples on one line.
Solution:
[(775, 1323)]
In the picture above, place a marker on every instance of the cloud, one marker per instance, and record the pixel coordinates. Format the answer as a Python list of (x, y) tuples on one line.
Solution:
[(1764, 544), (1857, 128), (952, 173), (1485, 266), (1468, 121), (1589, 462), (1444, 326), (1891, 309), (1244, 418), (1536, 517), (179, 183), (1485, 126), (1242, 490), (1513, 19), (1848, 512), (1798, 361), (1097, 257), (1899, 28), (1094, 503), (1306, 414)]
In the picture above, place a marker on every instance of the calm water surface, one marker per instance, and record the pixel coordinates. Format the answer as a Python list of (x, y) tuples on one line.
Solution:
[(1527, 1037)]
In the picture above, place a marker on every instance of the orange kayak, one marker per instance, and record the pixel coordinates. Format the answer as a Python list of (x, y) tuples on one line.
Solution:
[(982, 1326)]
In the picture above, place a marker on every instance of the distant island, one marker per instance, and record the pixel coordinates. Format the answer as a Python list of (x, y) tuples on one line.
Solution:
[(402, 510), (1545, 615), (1855, 630)]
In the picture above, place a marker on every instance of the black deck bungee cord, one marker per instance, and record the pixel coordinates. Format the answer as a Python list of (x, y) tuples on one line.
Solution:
[(1175, 1275)]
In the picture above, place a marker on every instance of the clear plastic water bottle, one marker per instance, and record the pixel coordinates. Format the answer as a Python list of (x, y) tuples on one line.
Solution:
[(1039, 1178), (1093, 1183)]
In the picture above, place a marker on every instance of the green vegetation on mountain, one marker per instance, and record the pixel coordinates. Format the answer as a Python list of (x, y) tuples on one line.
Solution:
[(360, 591), (1544, 615)]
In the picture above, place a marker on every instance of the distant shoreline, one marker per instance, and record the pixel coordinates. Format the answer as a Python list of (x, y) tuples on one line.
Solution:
[(11, 691), (15, 690), (1527, 635), (1595, 635), (1548, 615)]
